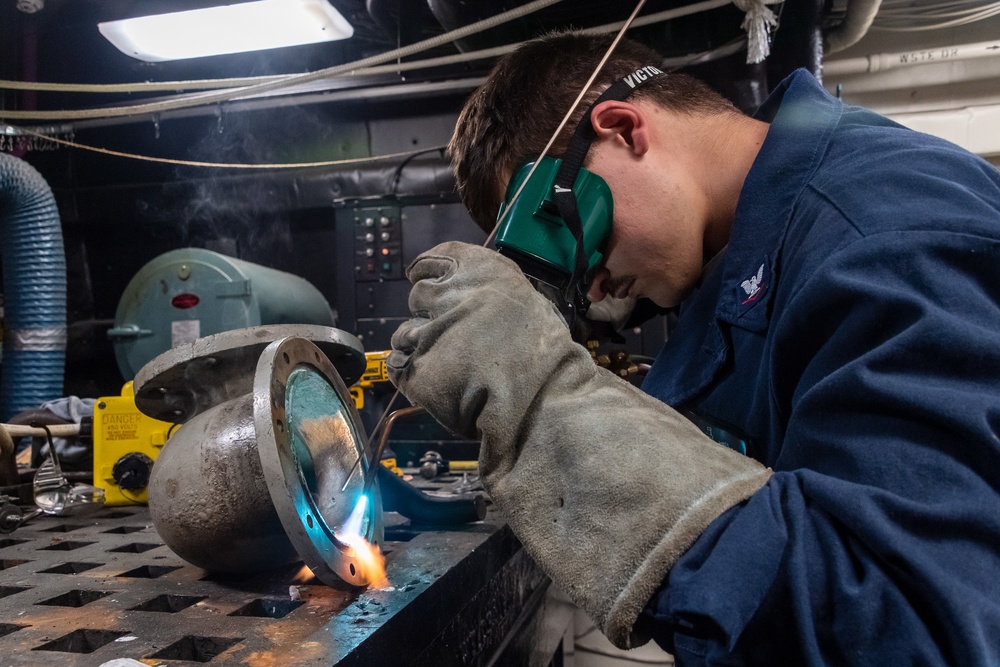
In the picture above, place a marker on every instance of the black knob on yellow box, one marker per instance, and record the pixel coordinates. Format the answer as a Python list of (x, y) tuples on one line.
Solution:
[(131, 472)]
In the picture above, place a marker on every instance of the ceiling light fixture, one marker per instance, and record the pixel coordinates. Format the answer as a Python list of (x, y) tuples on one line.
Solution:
[(248, 26)]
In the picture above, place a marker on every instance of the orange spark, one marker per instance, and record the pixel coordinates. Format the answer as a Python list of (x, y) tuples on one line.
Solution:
[(302, 576), (370, 561)]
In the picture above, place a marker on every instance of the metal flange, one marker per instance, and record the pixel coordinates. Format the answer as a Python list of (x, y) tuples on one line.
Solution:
[(309, 436)]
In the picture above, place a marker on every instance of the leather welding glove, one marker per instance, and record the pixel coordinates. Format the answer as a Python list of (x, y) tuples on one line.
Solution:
[(604, 485)]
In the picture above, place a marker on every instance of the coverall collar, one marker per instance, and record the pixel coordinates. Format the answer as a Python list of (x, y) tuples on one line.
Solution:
[(802, 117)]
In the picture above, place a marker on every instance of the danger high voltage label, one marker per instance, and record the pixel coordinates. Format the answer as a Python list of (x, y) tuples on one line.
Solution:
[(121, 427)]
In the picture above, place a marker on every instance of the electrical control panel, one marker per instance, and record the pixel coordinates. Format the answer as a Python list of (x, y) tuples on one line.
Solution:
[(372, 289), (377, 244)]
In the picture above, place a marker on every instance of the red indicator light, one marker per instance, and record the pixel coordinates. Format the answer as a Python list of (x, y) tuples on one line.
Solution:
[(185, 301), (385, 251)]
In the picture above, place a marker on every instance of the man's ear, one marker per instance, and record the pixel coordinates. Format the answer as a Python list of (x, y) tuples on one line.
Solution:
[(616, 120)]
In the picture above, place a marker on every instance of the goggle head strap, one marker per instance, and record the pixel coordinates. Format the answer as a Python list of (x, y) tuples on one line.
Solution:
[(572, 161)]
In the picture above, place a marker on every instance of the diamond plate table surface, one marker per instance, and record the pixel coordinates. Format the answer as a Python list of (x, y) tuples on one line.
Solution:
[(87, 590)]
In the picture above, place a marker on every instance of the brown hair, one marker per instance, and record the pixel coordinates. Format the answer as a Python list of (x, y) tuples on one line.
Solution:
[(509, 119)]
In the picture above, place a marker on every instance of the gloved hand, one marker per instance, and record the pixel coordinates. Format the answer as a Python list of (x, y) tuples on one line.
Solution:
[(604, 485)]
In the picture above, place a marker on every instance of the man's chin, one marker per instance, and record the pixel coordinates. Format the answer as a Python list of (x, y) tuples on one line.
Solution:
[(666, 300)]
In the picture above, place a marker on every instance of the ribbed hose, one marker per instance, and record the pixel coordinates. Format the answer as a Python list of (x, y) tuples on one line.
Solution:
[(34, 289)]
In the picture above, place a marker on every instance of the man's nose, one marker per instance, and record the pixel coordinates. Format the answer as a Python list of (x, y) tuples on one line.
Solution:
[(596, 291)]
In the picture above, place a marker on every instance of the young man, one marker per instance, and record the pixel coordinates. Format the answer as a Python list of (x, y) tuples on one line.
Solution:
[(839, 286)]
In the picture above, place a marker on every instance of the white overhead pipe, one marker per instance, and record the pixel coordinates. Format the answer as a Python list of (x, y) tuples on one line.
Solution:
[(878, 62), (858, 18)]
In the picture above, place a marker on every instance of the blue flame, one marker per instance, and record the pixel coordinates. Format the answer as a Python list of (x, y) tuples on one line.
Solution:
[(352, 527)]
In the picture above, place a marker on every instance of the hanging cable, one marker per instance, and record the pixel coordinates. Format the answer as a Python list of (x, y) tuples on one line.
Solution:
[(907, 16), (235, 165), (393, 185)]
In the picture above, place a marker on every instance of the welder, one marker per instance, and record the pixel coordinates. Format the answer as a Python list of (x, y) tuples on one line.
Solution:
[(837, 283)]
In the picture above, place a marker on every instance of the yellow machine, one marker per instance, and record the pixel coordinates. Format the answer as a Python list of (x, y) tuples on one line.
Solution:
[(126, 442)]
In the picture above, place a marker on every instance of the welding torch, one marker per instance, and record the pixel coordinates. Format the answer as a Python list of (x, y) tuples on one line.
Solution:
[(398, 496)]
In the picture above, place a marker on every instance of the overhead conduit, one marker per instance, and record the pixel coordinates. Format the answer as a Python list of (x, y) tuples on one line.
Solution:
[(34, 289), (857, 20)]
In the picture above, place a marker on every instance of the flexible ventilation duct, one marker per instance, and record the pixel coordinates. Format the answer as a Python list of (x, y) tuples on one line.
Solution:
[(34, 289)]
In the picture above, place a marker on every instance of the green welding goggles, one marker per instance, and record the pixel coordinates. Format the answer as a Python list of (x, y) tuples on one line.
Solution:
[(560, 223)]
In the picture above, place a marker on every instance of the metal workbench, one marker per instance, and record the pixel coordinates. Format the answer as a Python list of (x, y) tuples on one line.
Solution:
[(85, 591)]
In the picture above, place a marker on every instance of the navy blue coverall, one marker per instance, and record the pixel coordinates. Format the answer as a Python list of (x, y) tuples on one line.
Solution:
[(850, 336)]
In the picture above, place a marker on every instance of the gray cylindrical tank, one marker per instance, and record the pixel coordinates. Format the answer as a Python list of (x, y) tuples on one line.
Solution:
[(190, 293)]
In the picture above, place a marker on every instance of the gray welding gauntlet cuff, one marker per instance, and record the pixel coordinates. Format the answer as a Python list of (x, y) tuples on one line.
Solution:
[(604, 485)]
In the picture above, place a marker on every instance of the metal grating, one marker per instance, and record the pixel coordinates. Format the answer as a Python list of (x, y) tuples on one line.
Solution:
[(87, 591)]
